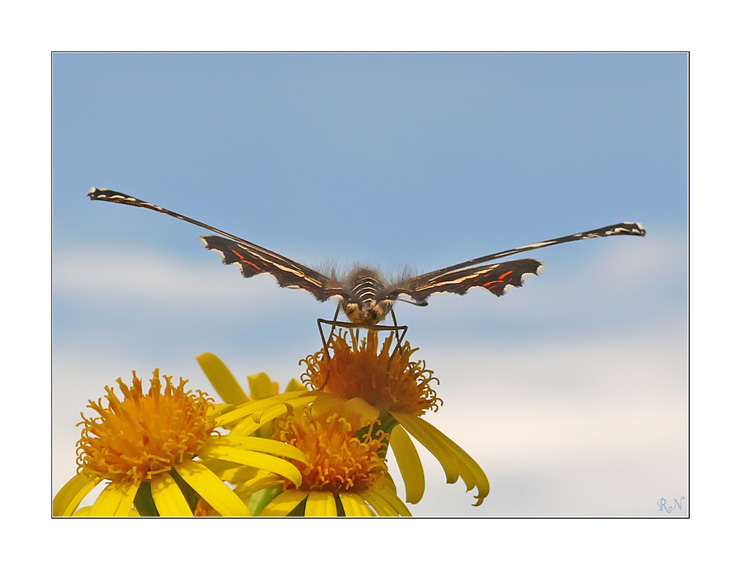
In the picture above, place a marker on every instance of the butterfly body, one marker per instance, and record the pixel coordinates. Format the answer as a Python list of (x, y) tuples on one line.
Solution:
[(364, 295), (364, 303)]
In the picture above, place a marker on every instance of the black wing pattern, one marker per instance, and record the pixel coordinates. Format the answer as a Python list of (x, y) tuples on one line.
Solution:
[(253, 260), (461, 277), (495, 278)]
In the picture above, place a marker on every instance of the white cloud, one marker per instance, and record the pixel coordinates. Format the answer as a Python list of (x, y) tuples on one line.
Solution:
[(626, 269), (596, 429), (144, 278)]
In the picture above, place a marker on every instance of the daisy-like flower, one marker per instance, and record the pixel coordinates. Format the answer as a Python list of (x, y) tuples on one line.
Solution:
[(400, 391), (345, 473), (257, 487), (145, 446), (253, 414)]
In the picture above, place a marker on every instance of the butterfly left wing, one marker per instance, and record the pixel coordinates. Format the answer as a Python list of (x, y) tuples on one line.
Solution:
[(495, 278), (253, 260)]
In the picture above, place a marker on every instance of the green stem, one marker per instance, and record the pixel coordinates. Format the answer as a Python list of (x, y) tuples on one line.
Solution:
[(144, 502)]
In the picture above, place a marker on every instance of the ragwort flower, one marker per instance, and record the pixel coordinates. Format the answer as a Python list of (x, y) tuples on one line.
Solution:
[(145, 446), (345, 473), (345, 470), (400, 391)]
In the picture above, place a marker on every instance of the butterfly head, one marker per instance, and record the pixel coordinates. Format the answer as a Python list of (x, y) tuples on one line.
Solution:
[(364, 302), (368, 312)]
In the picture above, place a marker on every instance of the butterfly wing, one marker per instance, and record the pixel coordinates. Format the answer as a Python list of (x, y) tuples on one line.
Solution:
[(461, 277), (495, 278), (253, 260)]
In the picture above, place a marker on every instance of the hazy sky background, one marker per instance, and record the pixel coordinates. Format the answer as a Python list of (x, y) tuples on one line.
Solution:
[(570, 392)]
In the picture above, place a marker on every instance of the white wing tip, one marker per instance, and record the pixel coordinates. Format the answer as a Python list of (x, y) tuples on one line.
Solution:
[(638, 228), (205, 244)]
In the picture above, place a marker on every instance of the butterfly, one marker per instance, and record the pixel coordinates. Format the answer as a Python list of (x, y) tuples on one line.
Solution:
[(364, 295)]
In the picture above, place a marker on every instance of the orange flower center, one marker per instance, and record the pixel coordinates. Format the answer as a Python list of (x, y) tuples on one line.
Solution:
[(389, 382), (339, 459), (144, 434)]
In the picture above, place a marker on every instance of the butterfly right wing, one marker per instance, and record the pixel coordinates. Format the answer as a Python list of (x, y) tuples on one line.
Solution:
[(461, 277), (253, 260), (494, 278)]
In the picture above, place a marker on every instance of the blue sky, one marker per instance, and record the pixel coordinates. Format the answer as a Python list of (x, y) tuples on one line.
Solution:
[(571, 391)]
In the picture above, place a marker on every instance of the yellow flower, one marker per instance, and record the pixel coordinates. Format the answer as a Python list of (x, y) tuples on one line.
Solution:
[(254, 417), (345, 473), (361, 385), (229, 389), (400, 391), (145, 446), (253, 414)]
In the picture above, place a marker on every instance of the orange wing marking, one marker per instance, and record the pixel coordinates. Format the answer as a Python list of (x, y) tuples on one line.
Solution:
[(500, 280), (244, 260)]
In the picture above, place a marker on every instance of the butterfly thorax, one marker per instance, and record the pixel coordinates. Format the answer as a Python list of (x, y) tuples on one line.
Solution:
[(363, 302)]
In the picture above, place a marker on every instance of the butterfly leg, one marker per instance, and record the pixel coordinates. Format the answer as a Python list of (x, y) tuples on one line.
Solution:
[(334, 322), (399, 338), (398, 331)]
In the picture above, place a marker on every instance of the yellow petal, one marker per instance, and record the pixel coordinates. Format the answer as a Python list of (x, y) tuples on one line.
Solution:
[(83, 512), (212, 489), (222, 379), (69, 497), (469, 470), (263, 480), (254, 422), (284, 503), (321, 504), (389, 495), (266, 446), (355, 506), (259, 418), (250, 408), (168, 498), (88, 512), (260, 386), (245, 410), (409, 464), (414, 428), (115, 500), (218, 466), (253, 459), (295, 385), (380, 505), (389, 482), (235, 474), (365, 412)]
